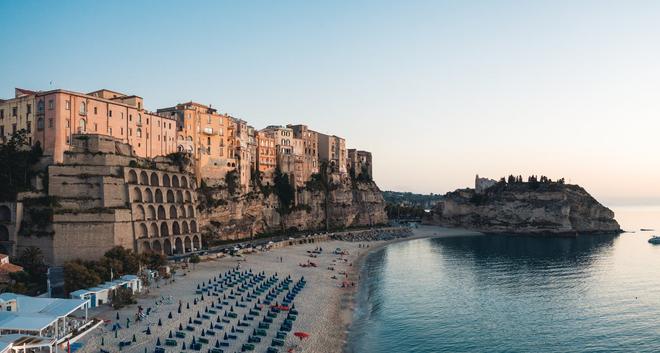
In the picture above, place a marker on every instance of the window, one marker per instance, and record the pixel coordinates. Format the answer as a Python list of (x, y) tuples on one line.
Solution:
[(13, 128), (51, 104), (121, 132), (29, 127), (83, 108), (2, 113), (67, 105), (139, 118), (110, 130), (40, 106), (208, 141), (110, 113), (68, 123), (96, 127), (208, 119), (82, 125), (138, 132), (130, 117), (95, 111), (158, 137), (29, 108), (130, 132), (14, 111), (50, 122)]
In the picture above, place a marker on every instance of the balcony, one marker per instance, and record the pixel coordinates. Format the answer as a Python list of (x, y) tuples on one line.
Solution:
[(208, 131)]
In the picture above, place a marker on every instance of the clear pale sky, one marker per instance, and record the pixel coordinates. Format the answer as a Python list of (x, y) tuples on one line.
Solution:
[(439, 91)]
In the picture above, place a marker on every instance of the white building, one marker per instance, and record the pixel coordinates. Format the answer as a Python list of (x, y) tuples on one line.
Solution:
[(102, 294)]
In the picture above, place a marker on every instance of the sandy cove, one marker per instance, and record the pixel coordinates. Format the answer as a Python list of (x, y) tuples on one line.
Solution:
[(325, 307)]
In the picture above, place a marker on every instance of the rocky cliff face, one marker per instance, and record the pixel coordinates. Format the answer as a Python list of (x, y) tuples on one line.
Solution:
[(546, 209), (230, 217)]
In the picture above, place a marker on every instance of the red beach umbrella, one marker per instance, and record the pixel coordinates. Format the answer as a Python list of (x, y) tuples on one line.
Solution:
[(301, 335)]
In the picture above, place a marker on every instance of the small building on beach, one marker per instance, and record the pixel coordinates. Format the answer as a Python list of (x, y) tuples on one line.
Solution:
[(102, 294)]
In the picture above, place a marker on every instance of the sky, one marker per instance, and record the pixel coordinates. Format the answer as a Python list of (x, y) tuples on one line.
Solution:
[(438, 91)]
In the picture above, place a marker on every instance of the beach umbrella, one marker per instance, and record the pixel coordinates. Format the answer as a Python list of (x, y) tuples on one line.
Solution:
[(225, 336), (301, 335), (103, 341), (203, 334), (183, 345), (170, 335), (195, 301), (160, 323), (158, 342), (148, 332), (169, 316), (180, 327), (187, 305), (134, 339), (217, 319), (217, 343), (198, 316), (193, 341), (197, 285), (118, 315), (179, 310), (206, 309), (190, 320), (202, 296), (232, 330), (145, 349), (115, 333)]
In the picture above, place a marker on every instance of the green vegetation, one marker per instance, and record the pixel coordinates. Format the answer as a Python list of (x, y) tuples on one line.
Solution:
[(17, 159), (322, 181), (122, 297), (395, 211), (32, 280), (284, 191), (116, 262), (232, 181)]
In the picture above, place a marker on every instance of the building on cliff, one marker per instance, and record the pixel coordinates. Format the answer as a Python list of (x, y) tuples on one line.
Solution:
[(52, 117), (481, 184), (332, 149), (102, 196), (359, 163)]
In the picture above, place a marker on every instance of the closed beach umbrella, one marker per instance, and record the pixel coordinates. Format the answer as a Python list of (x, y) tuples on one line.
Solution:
[(158, 342), (160, 323), (170, 335), (180, 327), (134, 339), (169, 316)]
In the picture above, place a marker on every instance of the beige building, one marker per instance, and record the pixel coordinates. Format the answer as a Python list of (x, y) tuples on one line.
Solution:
[(52, 117), (333, 150), (359, 164), (308, 153), (206, 135), (266, 156)]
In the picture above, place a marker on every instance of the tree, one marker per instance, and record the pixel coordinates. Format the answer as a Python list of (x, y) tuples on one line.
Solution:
[(35, 269), (17, 159), (231, 179), (121, 297), (77, 276), (284, 191), (194, 259), (153, 261), (129, 260)]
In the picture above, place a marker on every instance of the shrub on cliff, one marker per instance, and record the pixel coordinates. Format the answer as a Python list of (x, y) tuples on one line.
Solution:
[(17, 159), (284, 191)]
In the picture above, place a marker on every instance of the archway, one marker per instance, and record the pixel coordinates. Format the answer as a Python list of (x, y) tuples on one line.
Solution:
[(184, 226), (173, 212), (193, 226), (161, 212), (164, 230), (196, 243), (188, 244), (153, 230), (4, 233), (159, 196), (151, 212), (132, 177), (139, 213), (166, 180), (167, 246), (154, 179), (175, 181), (148, 195), (188, 197), (178, 246), (170, 196), (179, 196), (144, 179), (182, 214), (191, 211), (137, 195), (157, 247), (146, 247), (175, 228), (184, 182), (142, 231)]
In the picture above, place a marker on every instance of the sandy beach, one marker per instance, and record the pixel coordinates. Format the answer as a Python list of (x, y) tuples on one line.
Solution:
[(325, 307)]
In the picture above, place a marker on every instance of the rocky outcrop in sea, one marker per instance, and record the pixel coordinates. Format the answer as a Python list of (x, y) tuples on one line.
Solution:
[(550, 208)]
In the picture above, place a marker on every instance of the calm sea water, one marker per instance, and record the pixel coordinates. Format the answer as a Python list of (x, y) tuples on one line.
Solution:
[(514, 294)]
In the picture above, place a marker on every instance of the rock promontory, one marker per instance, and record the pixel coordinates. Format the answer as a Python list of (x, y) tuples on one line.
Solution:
[(535, 207)]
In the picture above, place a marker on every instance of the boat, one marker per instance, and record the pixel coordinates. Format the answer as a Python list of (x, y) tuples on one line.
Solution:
[(655, 239)]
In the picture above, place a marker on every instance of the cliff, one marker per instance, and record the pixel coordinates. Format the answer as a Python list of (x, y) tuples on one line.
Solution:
[(525, 208), (232, 217)]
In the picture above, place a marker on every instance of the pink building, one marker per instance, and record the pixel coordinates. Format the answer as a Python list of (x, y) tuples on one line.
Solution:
[(57, 114)]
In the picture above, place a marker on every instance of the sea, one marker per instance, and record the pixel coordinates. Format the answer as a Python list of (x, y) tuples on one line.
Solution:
[(514, 293)]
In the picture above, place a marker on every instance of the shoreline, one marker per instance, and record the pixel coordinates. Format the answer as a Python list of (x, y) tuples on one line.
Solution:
[(346, 314)]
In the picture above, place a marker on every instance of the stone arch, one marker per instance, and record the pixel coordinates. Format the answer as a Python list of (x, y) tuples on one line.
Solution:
[(139, 213), (148, 195), (137, 194), (184, 226), (146, 246), (4, 233), (193, 226), (166, 180), (187, 244), (154, 179), (173, 212), (170, 196), (179, 196), (151, 212), (132, 177), (164, 230), (167, 247), (144, 179), (196, 244), (182, 213), (188, 196), (156, 246), (153, 230), (178, 246), (159, 196), (5, 214), (142, 231), (176, 230), (161, 212), (193, 184), (184, 181), (175, 181), (191, 211)]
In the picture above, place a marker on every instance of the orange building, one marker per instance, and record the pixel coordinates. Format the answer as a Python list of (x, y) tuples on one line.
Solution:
[(51, 117), (266, 156)]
